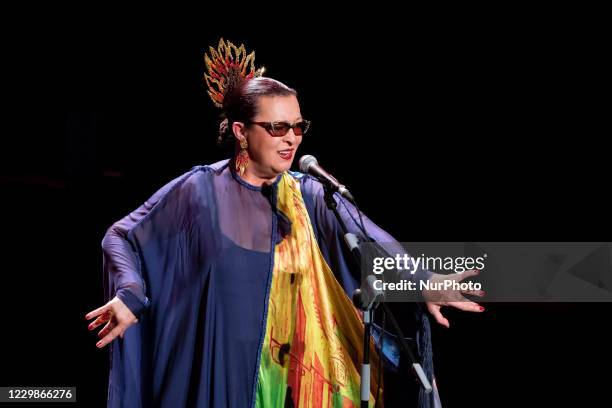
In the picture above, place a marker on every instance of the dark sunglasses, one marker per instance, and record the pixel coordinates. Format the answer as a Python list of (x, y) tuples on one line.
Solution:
[(279, 129)]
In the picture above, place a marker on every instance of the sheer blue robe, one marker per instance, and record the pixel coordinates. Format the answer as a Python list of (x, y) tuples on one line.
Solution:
[(194, 264)]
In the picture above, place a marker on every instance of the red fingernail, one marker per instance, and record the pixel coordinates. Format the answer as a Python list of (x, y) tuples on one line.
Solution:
[(481, 308), (482, 293)]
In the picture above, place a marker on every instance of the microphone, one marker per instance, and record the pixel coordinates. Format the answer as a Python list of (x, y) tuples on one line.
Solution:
[(309, 165)]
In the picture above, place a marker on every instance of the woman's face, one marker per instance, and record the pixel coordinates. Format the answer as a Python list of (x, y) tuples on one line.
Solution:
[(270, 155)]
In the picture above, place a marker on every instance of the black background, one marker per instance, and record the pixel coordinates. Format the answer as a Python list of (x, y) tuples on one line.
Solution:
[(444, 128)]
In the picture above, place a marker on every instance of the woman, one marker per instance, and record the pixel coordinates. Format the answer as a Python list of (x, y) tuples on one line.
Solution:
[(235, 272)]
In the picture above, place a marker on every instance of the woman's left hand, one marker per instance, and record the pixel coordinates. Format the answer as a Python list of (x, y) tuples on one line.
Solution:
[(436, 299)]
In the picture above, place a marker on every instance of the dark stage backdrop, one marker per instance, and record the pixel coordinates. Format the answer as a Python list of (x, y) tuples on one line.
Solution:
[(442, 134)]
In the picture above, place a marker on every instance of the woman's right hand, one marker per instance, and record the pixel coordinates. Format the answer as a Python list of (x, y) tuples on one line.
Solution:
[(118, 318)]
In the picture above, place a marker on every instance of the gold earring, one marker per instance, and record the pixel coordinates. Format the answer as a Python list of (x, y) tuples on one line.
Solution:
[(242, 159)]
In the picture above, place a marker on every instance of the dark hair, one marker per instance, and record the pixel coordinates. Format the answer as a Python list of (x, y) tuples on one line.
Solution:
[(240, 102)]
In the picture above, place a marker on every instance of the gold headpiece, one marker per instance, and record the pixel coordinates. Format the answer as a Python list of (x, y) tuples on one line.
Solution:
[(227, 65)]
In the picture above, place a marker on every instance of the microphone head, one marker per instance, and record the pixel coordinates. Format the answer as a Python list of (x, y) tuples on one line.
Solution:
[(306, 161)]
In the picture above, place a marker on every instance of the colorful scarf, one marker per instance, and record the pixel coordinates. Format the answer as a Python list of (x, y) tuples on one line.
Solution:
[(311, 354)]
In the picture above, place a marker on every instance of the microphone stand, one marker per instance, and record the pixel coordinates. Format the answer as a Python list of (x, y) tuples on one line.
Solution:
[(367, 299)]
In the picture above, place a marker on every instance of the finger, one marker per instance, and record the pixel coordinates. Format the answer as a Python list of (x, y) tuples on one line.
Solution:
[(468, 274), (96, 312), (479, 293), (105, 317), (435, 312), (467, 306), (109, 326), (109, 337)]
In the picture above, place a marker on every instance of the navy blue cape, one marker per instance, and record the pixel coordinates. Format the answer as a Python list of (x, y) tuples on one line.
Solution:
[(194, 264)]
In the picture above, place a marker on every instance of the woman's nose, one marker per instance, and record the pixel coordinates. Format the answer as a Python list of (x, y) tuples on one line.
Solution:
[(290, 137)]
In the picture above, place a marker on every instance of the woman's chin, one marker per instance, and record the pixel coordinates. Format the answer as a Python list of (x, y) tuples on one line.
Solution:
[(282, 167)]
